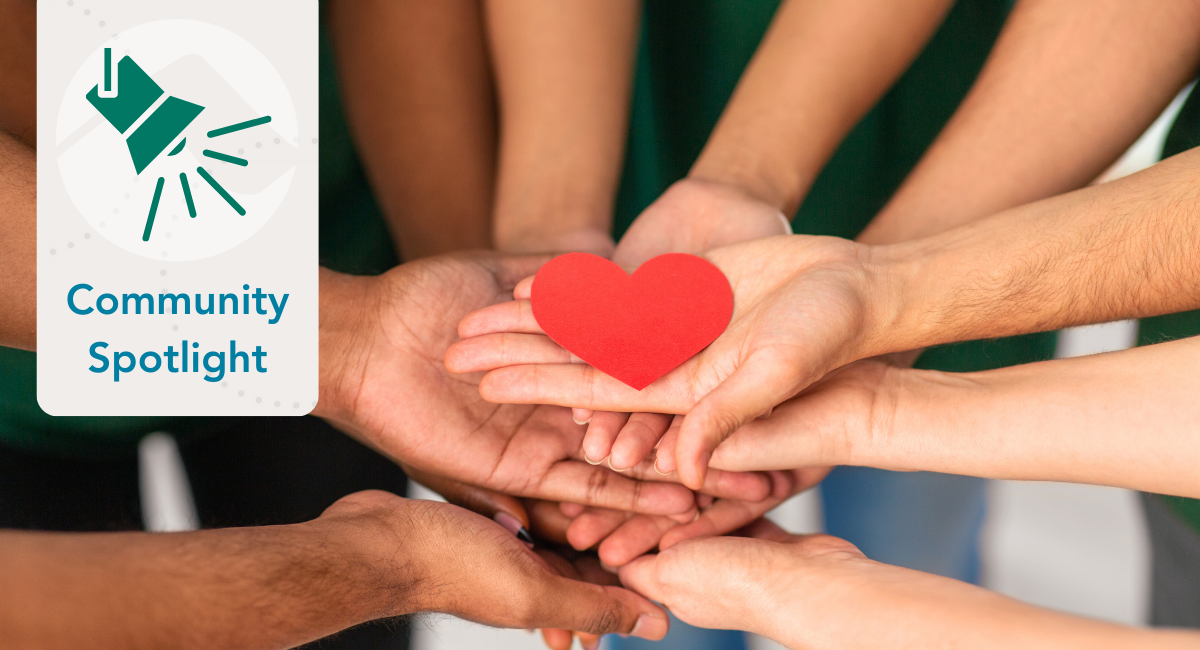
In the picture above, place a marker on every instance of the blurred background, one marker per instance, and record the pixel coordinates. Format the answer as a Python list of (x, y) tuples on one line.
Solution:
[(1079, 549)]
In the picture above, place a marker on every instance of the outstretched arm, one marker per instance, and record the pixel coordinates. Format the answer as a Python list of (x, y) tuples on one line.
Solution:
[(18, 244), (820, 68), (811, 592), (1126, 419), (370, 555), (1069, 86), (804, 306), (564, 74)]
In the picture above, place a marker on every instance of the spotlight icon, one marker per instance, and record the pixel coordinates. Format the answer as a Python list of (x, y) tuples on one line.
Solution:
[(150, 120)]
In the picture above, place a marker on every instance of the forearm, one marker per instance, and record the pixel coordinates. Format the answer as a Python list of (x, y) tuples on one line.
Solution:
[(1069, 86), (564, 75), (914, 610), (268, 587), (1126, 419), (18, 244), (820, 68), (1125, 249), (418, 97)]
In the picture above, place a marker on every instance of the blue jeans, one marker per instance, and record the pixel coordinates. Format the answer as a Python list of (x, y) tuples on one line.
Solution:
[(930, 522)]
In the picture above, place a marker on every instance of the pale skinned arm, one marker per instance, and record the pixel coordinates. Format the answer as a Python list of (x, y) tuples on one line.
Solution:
[(820, 68), (1069, 86), (810, 592), (370, 555), (564, 74), (804, 306), (1125, 419)]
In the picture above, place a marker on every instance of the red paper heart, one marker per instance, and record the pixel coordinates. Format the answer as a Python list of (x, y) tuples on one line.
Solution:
[(637, 327)]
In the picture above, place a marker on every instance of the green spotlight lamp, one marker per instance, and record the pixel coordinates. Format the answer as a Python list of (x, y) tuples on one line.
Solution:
[(140, 110)]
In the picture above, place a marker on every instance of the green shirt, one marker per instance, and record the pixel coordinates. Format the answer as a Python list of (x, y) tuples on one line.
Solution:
[(691, 55)]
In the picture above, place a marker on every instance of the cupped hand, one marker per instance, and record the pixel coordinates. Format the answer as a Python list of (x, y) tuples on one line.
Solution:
[(383, 380), (802, 306), (810, 591), (453, 561), (620, 537), (696, 216)]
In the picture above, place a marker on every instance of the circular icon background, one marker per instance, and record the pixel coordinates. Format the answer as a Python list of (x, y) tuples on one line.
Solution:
[(235, 158)]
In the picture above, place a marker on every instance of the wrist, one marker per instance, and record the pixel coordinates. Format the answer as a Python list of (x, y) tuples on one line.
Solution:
[(892, 309), (372, 555), (344, 302), (775, 184)]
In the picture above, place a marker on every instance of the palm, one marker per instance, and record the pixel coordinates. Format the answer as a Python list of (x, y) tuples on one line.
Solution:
[(399, 396), (694, 217), (797, 312)]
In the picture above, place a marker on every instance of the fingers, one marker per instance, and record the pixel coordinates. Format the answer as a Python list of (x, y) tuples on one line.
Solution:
[(637, 439), (508, 316), (572, 384), (547, 521), (571, 510), (600, 435), (598, 610), (634, 538), (582, 416), (728, 515), (502, 508), (664, 456), (491, 351), (593, 526), (578, 482), (524, 289), (750, 391)]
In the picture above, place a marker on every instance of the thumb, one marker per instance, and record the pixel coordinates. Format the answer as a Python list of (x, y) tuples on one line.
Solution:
[(641, 575), (505, 510), (757, 386), (598, 610)]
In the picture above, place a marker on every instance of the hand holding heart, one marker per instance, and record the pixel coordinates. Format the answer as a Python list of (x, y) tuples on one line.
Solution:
[(801, 309)]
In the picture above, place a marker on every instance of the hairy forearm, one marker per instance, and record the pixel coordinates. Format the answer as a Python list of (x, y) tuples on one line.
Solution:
[(1126, 419), (18, 244), (564, 76), (1069, 86), (269, 587), (820, 68), (1125, 249)]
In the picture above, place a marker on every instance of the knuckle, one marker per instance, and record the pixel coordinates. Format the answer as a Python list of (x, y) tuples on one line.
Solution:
[(603, 620)]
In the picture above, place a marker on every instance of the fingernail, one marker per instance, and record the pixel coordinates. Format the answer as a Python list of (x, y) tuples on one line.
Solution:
[(610, 465), (513, 525), (649, 627), (611, 569), (590, 461), (580, 422), (660, 472)]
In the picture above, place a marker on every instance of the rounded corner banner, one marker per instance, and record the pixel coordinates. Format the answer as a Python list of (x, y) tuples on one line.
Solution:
[(177, 207)]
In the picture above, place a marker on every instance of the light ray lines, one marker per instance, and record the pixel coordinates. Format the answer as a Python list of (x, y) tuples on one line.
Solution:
[(217, 155), (187, 194), (220, 190), (233, 128), (153, 209)]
